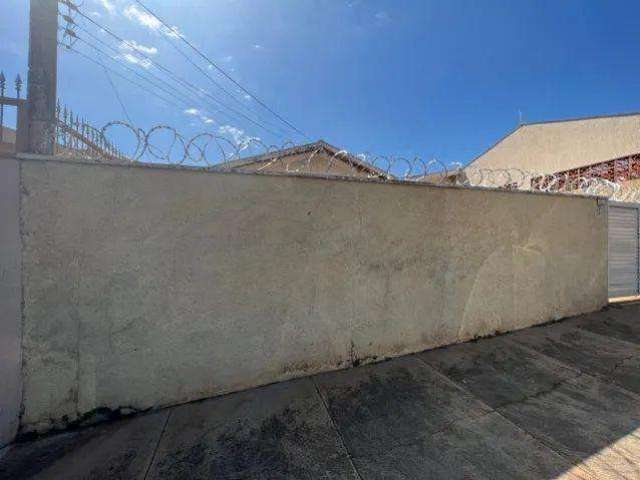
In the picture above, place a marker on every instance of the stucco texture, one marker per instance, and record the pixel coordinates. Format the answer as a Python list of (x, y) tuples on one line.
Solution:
[(147, 287), (10, 300)]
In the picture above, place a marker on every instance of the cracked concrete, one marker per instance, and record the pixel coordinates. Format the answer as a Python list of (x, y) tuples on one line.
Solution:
[(612, 358), (552, 402)]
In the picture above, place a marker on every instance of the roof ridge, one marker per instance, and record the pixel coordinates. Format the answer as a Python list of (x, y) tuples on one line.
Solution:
[(545, 122), (578, 119), (296, 149)]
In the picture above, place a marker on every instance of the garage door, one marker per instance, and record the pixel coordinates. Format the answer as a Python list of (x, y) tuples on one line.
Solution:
[(624, 266)]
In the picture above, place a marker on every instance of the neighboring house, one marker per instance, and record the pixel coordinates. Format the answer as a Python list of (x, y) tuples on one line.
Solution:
[(606, 147), (313, 158), (8, 143)]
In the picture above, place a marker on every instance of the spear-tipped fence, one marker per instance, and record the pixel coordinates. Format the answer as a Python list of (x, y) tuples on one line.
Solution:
[(8, 135), (76, 137)]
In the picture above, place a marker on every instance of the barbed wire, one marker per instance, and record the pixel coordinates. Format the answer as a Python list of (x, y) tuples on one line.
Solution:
[(163, 144)]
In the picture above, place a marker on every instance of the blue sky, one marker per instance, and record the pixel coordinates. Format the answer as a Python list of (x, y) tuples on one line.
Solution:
[(442, 79)]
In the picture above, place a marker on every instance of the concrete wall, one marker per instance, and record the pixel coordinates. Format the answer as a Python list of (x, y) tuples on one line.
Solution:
[(10, 299), (146, 286)]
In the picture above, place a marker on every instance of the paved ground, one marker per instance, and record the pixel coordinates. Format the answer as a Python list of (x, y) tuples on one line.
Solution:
[(560, 401)]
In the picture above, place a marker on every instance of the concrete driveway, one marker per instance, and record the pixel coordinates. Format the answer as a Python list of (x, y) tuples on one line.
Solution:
[(559, 401)]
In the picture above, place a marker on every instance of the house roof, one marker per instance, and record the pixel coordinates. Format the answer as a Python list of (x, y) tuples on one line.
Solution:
[(558, 145), (319, 146), (8, 135), (7, 145)]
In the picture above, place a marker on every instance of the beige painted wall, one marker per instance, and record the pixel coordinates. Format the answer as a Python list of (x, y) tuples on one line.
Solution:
[(147, 286), (557, 146)]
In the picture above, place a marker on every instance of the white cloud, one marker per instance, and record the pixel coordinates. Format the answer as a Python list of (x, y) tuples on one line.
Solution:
[(257, 46), (143, 62), (247, 97), (227, 59), (201, 114), (134, 14), (196, 112), (237, 135), (95, 14), (108, 6), (172, 32), (147, 20), (132, 45)]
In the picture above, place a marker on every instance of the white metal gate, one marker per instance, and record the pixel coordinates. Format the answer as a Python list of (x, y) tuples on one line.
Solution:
[(624, 249)]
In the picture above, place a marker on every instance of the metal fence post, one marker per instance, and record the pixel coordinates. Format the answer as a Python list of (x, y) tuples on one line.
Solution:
[(22, 128), (2, 86), (41, 87)]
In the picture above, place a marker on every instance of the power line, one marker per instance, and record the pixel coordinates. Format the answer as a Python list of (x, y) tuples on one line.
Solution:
[(75, 38), (226, 75), (134, 53), (217, 84), (176, 78), (211, 79), (165, 69), (157, 65), (187, 102), (117, 95), (116, 52), (173, 92), (99, 63)]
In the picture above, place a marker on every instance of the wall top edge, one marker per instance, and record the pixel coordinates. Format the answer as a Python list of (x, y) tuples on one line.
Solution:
[(25, 157)]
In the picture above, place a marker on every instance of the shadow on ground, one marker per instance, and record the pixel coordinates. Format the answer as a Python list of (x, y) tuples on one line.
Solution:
[(559, 401)]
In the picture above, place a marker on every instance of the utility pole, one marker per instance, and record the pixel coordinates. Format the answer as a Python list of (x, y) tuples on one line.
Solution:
[(43, 66)]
